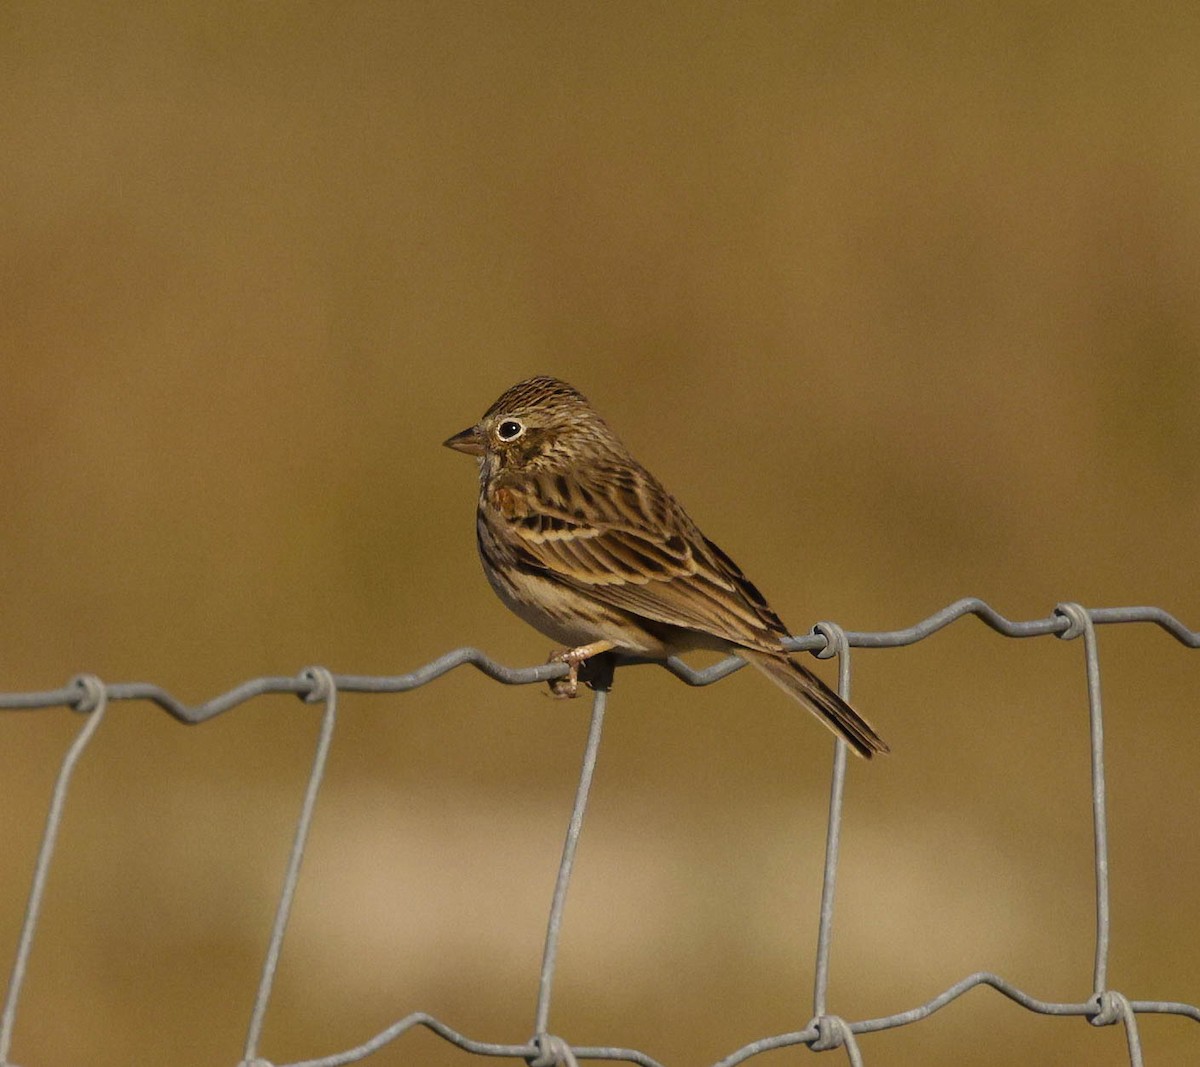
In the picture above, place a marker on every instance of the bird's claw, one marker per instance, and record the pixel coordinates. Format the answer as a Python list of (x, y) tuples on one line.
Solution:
[(575, 658), (567, 687)]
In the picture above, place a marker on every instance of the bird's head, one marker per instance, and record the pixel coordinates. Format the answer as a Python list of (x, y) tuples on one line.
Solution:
[(539, 424)]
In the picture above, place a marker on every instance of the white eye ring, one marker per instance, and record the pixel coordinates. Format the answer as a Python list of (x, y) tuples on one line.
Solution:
[(510, 429)]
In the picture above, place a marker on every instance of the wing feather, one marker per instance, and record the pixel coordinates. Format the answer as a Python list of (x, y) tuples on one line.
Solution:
[(626, 542)]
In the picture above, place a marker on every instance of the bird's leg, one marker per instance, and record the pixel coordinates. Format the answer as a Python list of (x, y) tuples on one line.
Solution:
[(574, 658)]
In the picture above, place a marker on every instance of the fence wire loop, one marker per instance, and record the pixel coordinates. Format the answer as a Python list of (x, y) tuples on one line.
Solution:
[(320, 684), (1109, 1007), (834, 1032), (1112, 1007), (315, 685), (1077, 618), (552, 1051), (836, 641), (91, 693)]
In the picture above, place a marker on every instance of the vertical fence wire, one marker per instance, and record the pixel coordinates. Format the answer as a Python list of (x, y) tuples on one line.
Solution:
[(1099, 800), (323, 689), (835, 645), (832, 1031), (92, 702), (567, 863)]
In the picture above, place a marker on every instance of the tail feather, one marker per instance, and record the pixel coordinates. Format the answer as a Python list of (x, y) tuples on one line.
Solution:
[(822, 701)]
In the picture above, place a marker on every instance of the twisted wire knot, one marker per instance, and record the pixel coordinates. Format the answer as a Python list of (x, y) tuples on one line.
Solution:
[(836, 642), (834, 1032), (92, 693), (320, 683), (552, 1051), (1110, 1007), (1078, 620)]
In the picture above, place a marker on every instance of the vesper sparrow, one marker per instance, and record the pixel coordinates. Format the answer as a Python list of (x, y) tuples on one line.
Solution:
[(583, 543)]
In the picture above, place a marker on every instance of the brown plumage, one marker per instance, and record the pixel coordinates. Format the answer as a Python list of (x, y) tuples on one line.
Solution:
[(582, 542)]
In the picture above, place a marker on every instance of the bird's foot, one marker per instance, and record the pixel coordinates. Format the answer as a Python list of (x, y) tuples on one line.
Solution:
[(567, 687)]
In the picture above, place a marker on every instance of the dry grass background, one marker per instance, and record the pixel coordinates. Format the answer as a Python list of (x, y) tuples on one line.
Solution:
[(901, 301)]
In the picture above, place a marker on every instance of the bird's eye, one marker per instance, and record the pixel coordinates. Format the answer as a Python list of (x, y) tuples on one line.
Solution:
[(510, 430)]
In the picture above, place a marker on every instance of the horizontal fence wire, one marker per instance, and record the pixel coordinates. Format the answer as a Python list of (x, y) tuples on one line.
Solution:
[(1105, 1006)]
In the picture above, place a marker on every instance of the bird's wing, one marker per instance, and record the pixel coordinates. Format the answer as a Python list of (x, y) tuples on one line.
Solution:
[(617, 535)]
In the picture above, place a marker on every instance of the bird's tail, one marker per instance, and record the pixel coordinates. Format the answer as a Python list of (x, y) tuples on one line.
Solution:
[(815, 695)]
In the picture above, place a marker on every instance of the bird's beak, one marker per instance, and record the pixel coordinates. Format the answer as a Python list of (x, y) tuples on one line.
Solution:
[(468, 441)]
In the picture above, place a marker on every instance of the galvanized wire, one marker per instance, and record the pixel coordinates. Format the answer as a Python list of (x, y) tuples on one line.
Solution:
[(323, 690), (825, 1030), (87, 695), (832, 1030)]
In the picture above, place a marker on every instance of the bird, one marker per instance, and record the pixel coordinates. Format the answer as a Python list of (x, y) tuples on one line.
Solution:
[(581, 541)]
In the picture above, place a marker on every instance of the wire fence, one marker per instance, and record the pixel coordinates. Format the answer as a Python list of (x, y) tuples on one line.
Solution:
[(1105, 1006)]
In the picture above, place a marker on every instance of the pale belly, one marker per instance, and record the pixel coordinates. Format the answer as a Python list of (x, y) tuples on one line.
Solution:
[(572, 620)]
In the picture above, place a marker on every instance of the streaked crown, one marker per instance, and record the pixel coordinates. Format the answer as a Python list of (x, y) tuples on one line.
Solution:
[(541, 393)]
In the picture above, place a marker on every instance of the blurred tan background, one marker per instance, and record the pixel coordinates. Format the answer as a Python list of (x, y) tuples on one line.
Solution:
[(901, 301)]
